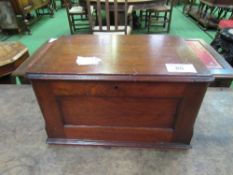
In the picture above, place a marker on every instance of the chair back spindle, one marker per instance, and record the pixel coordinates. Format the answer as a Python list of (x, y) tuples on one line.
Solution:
[(113, 11), (116, 14), (99, 15), (107, 14)]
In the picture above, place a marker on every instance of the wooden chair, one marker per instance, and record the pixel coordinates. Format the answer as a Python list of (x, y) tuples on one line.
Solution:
[(77, 14), (143, 15), (111, 13), (160, 15)]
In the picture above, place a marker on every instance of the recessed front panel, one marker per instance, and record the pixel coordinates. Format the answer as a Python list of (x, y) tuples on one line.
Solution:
[(118, 111), (97, 113)]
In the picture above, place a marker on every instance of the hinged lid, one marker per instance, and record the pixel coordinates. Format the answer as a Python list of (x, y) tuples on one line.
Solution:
[(125, 58)]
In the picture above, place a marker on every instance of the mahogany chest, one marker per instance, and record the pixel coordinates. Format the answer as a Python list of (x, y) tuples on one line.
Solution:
[(119, 90)]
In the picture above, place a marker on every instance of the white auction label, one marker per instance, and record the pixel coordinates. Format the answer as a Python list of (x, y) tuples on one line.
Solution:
[(87, 60), (184, 68)]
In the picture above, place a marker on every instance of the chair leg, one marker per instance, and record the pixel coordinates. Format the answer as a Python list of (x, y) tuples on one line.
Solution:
[(140, 15), (149, 22), (146, 18), (73, 24), (54, 5), (164, 19), (169, 21), (70, 23)]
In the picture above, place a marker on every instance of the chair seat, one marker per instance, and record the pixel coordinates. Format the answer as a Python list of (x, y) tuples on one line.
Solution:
[(161, 8), (76, 9), (225, 24), (104, 28)]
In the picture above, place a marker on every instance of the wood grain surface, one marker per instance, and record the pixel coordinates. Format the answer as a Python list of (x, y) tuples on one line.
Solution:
[(138, 57), (128, 99)]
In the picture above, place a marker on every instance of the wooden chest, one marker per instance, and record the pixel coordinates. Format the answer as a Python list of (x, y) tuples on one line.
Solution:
[(119, 91)]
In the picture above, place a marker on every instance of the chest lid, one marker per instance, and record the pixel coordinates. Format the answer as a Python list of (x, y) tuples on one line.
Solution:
[(125, 58)]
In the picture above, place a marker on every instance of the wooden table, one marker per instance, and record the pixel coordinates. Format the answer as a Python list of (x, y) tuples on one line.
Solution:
[(12, 54), (127, 98)]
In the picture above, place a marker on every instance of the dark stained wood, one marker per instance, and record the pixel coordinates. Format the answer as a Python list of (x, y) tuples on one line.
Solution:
[(219, 3), (187, 112), (137, 4), (110, 111), (123, 58), (162, 146), (21, 70), (118, 89), (224, 75), (129, 99), (54, 123), (129, 134)]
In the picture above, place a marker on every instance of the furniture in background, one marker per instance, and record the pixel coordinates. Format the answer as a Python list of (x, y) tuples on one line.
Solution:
[(77, 15), (137, 5), (160, 15), (55, 4), (12, 54), (107, 17), (16, 15), (41, 7), (178, 2), (223, 44), (62, 3), (143, 15), (209, 12), (116, 91), (214, 62), (188, 5), (226, 23), (8, 16)]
